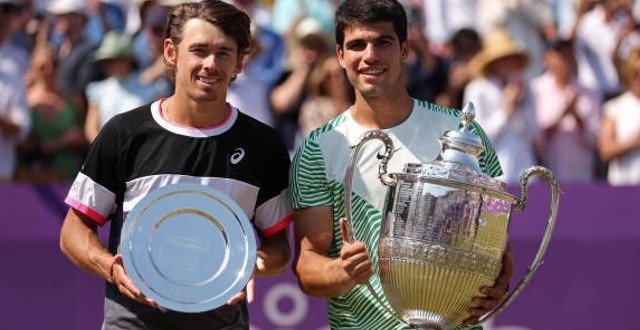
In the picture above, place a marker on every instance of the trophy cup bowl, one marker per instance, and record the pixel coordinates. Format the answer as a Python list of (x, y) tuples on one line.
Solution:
[(444, 230)]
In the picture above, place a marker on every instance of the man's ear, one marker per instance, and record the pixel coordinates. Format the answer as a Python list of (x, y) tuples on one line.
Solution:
[(340, 55), (404, 51), (240, 63), (170, 52)]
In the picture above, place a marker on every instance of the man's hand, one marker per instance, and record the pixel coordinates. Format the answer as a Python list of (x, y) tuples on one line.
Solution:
[(354, 258), (123, 282), (492, 295), (249, 291)]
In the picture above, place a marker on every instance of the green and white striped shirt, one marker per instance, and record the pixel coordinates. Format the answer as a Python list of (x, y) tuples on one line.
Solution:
[(317, 179)]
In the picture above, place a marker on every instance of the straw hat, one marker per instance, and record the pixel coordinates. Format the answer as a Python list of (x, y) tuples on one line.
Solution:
[(497, 45), (115, 45)]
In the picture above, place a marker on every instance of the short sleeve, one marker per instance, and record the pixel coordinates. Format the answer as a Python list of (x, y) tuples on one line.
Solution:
[(94, 190), (273, 212), (309, 185)]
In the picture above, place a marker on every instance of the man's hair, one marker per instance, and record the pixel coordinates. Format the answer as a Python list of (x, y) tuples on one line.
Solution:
[(370, 11), (232, 21)]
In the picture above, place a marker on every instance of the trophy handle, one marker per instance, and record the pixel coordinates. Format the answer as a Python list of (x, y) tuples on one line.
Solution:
[(546, 238), (348, 182), (385, 178)]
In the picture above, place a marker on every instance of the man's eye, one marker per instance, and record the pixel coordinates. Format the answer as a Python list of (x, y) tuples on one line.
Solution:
[(357, 46), (199, 52)]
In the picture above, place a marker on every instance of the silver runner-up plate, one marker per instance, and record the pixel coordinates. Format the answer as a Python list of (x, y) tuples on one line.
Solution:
[(189, 247)]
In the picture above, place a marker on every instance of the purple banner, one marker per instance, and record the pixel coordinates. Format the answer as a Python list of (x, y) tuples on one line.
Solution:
[(589, 279)]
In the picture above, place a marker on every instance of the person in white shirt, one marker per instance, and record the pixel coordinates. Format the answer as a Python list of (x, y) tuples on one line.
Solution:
[(620, 133), (569, 115), (505, 104)]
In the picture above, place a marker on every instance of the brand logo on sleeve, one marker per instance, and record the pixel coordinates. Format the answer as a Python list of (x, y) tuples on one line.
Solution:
[(237, 156)]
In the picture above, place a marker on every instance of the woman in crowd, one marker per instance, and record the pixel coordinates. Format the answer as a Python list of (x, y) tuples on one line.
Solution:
[(55, 147), (620, 132), (329, 93)]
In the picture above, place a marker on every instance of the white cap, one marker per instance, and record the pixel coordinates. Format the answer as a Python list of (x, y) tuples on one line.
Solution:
[(306, 27), (61, 7)]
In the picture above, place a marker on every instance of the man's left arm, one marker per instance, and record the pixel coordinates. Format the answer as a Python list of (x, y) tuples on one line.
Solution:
[(274, 254)]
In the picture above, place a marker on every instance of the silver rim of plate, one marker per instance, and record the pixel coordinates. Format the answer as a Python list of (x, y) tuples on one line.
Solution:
[(189, 247)]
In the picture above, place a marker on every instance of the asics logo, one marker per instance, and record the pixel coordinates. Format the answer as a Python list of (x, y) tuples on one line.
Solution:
[(237, 156)]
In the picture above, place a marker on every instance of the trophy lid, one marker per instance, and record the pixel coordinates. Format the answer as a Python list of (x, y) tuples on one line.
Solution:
[(461, 146), (458, 159)]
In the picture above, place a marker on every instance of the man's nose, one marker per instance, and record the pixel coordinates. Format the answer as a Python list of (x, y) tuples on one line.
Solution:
[(369, 53), (209, 62)]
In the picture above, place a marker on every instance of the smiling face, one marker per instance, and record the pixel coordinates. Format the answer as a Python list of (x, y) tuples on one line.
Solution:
[(205, 61), (372, 56)]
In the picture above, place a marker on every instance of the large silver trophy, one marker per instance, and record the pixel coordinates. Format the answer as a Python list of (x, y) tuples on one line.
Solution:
[(445, 229)]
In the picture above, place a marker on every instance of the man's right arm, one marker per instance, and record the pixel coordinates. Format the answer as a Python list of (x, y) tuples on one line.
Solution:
[(318, 274), (79, 241)]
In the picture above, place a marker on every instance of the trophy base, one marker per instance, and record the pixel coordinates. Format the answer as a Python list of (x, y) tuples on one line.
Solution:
[(422, 320)]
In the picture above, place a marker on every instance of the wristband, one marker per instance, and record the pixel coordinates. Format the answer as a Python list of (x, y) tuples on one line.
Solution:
[(117, 259)]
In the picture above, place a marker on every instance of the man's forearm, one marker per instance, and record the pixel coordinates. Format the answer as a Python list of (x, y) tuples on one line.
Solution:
[(320, 276), (81, 244), (276, 254)]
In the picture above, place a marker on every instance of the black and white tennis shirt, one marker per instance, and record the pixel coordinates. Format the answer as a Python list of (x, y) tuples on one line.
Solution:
[(139, 151)]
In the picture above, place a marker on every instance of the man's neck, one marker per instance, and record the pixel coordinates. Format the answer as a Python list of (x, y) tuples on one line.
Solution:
[(186, 112), (381, 113)]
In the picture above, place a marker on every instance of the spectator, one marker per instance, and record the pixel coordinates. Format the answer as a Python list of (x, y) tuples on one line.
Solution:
[(565, 15), (263, 65), (329, 94), (445, 17), (426, 73), (122, 89), (104, 16), (505, 105), (73, 51), (15, 121), (529, 22), (56, 146), (463, 46), (620, 133), (286, 14), (597, 33), (23, 26), (149, 38), (569, 116), (148, 41), (260, 14), (14, 60), (309, 46)]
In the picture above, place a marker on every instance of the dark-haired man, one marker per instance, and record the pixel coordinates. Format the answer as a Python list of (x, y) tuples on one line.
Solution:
[(371, 44)]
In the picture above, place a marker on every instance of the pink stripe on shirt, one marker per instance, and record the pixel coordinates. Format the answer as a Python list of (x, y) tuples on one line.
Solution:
[(280, 225), (91, 213)]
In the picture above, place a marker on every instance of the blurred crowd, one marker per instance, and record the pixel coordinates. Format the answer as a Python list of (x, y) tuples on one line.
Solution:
[(554, 82)]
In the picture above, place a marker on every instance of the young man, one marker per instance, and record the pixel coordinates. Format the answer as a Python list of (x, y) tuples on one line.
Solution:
[(192, 136), (371, 46)]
